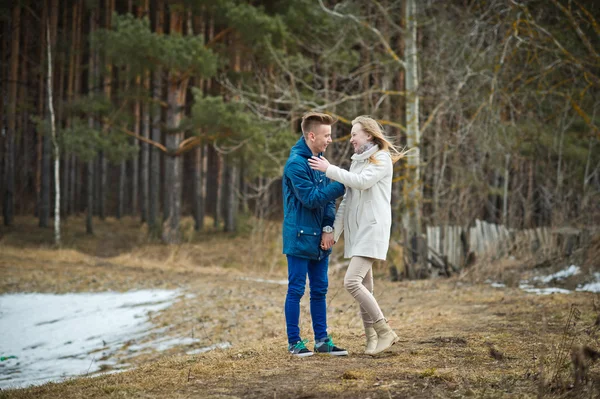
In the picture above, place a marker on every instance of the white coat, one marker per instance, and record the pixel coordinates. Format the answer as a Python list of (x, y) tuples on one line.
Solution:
[(365, 214)]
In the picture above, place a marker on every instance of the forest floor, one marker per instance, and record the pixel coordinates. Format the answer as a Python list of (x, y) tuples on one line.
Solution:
[(460, 337)]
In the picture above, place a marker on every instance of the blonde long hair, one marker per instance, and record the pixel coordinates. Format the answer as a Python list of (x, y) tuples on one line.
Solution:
[(374, 128)]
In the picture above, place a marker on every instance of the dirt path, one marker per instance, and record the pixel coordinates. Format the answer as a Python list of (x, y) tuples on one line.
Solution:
[(457, 340)]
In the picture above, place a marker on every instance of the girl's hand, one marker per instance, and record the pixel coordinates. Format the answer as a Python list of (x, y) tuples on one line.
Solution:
[(319, 163)]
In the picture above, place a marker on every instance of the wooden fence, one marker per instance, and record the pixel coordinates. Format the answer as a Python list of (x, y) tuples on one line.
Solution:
[(453, 247)]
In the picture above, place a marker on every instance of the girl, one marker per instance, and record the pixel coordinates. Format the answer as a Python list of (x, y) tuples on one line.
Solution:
[(365, 215)]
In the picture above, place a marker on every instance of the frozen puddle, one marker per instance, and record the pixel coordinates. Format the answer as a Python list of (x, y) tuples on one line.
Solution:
[(57, 336)]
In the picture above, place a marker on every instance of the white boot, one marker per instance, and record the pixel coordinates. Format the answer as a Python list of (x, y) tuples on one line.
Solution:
[(371, 340), (386, 337)]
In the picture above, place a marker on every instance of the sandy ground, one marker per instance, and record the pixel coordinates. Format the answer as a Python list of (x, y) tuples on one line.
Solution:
[(459, 338)]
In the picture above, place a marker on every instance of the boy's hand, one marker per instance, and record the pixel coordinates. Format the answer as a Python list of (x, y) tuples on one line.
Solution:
[(327, 241)]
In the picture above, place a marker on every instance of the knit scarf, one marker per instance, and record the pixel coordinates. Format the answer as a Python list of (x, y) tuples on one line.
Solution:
[(365, 147)]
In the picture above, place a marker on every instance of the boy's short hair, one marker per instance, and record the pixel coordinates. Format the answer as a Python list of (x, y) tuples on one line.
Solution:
[(311, 120)]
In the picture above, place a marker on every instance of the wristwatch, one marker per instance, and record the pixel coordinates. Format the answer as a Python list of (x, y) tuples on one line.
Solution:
[(327, 229)]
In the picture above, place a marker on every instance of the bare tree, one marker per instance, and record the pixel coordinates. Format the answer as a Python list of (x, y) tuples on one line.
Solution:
[(54, 143), (412, 188)]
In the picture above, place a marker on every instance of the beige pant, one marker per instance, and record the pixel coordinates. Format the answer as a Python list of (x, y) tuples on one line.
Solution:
[(359, 283)]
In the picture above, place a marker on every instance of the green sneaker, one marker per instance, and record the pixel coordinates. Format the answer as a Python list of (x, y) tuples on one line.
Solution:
[(327, 347), (299, 349)]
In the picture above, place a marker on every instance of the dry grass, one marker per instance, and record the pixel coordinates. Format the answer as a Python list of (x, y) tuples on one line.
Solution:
[(458, 339), (119, 257)]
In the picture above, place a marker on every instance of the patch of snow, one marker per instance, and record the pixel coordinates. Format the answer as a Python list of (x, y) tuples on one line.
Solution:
[(260, 280), (498, 285), (591, 287), (220, 345), (543, 291), (568, 272), (57, 336)]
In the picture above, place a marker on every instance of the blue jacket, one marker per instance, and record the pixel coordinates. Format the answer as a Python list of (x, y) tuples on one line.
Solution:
[(308, 205)]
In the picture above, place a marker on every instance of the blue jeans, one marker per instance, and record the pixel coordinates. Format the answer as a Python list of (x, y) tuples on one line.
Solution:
[(298, 268)]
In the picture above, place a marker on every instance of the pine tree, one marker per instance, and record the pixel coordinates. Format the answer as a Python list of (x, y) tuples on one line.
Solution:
[(181, 57)]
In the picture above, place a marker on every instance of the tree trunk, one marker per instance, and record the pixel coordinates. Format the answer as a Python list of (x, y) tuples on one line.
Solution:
[(5, 40), (46, 165), (69, 160), (9, 154), (45, 187), (243, 187), (386, 79), (24, 122), (41, 112), (74, 190), (529, 203), (398, 106), (76, 187), (412, 187), (107, 83), (72, 208), (135, 162), (197, 23), (92, 75), (60, 95), (218, 189), (145, 171), (199, 187), (232, 202), (177, 86), (154, 178), (89, 226), (65, 185), (231, 171), (55, 145), (437, 170), (584, 195), (4, 77), (558, 214), (124, 87), (492, 197), (60, 71), (505, 191), (102, 171), (121, 194)]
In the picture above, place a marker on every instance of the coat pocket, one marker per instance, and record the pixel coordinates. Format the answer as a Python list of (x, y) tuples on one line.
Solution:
[(370, 212), (308, 241)]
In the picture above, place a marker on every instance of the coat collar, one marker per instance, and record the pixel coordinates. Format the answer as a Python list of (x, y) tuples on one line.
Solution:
[(366, 154), (302, 149)]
